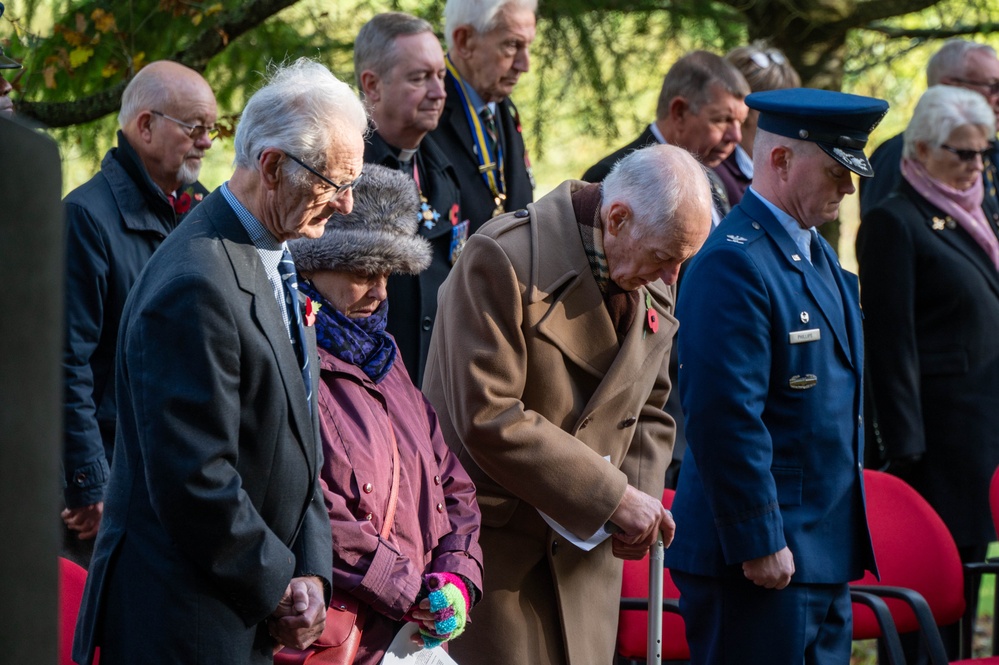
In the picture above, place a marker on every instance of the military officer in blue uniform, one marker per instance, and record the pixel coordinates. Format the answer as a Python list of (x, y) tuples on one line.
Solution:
[(770, 502)]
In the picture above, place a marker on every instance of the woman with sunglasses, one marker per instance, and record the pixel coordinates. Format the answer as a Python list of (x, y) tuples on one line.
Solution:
[(929, 273)]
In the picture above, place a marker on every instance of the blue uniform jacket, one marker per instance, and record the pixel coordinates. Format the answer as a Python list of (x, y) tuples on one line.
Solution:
[(773, 417)]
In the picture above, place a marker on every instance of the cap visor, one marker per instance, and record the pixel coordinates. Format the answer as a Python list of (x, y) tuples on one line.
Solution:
[(855, 160), (7, 63)]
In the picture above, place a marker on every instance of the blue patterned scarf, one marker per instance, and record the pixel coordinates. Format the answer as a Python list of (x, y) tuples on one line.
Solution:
[(360, 342)]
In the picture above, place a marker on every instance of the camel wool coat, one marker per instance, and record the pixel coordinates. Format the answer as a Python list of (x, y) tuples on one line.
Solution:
[(533, 391)]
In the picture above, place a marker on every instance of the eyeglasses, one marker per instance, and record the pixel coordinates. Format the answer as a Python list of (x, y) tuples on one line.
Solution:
[(991, 87), (339, 190), (966, 155), (194, 132), (764, 59)]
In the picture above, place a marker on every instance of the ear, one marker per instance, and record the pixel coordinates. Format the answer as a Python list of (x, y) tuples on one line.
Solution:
[(678, 108), (922, 150), (271, 171), (371, 86), (463, 39), (780, 160), (618, 218), (143, 126)]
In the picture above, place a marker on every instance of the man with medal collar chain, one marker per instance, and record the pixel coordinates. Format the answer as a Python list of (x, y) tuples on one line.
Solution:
[(400, 71), (488, 49)]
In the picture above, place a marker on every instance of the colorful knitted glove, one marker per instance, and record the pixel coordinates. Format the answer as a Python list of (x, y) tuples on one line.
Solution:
[(449, 602)]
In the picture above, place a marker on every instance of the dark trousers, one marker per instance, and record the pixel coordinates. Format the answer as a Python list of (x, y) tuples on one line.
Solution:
[(734, 622)]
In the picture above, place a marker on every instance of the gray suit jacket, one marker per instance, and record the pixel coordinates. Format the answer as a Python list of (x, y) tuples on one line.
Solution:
[(214, 502)]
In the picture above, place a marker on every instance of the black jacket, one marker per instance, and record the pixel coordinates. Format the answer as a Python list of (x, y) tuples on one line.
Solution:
[(931, 311), (599, 171), (413, 298), (454, 137), (114, 222)]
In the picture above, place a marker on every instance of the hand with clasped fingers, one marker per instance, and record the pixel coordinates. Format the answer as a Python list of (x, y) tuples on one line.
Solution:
[(300, 616), (640, 518), (772, 571), (84, 520)]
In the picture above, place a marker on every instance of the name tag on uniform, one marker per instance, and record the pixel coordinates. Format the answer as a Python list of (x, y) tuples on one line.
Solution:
[(801, 336)]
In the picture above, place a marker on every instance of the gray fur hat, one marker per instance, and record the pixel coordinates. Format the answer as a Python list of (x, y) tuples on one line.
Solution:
[(378, 236)]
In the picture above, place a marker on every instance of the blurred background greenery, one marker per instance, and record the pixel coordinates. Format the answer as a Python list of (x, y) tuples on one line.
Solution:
[(596, 68)]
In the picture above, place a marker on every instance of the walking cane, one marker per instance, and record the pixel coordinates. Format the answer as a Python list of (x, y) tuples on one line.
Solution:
[(654, 653)]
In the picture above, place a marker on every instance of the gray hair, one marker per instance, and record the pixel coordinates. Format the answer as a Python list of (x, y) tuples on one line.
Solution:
[(950, 61), (652, 182), (941, 110), (692, 77), (480, 14), (297, 111), (374, 48), (146, 90), (765, 67)]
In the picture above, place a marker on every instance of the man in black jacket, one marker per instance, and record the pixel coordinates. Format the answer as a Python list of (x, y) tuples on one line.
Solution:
[(400, 70), (488, 46), (114, 222)]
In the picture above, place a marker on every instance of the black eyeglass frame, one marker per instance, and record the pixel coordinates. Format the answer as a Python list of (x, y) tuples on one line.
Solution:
[(194, 132), (966, 154), (992, 87), (338, 190)]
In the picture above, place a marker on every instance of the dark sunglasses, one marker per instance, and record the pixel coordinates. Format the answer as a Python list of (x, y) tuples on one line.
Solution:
[(966, 155)]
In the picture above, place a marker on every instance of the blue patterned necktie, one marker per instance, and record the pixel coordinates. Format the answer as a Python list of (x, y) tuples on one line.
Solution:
[(286, 268)]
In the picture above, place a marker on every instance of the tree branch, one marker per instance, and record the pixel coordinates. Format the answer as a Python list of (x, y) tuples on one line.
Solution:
[(212, 40), (893, 32)]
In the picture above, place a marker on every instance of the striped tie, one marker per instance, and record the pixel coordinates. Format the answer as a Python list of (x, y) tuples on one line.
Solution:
[(286, 268)]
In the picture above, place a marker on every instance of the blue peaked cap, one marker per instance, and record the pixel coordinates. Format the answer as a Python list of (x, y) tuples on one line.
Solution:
[(840, 123)]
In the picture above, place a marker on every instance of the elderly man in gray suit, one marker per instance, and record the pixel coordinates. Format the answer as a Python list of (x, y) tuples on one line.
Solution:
[(213, 514)]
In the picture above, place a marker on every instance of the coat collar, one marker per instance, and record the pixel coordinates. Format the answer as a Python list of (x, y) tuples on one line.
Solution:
[(577, 321), (817, 288), (143, 205), (957, 237)]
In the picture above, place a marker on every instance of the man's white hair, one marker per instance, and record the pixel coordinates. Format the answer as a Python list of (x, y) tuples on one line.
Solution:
[(297, 111), (480, 14)]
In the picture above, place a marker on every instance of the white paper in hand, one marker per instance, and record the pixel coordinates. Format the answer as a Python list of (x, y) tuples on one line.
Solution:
[(402, 651)]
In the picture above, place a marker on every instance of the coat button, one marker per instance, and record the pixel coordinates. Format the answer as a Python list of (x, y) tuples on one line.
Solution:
[(554, 547), (368, 488), (437, 480), (629, 421), (582, 425), (368, 517), (80, 478), (522, 213), (427, 323), (440, 507)]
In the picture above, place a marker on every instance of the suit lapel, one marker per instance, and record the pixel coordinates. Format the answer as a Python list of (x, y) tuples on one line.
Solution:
[(251, 278), (949, 232), (814, 284)]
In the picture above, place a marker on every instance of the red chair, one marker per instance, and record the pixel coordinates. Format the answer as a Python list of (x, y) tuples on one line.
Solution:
[(922, 578), (72, 579), (632, 636)]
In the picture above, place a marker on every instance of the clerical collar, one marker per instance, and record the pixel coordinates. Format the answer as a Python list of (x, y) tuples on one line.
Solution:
[(406, 155)]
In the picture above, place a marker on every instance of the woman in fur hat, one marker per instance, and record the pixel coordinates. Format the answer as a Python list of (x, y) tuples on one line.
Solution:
[(424, 565)]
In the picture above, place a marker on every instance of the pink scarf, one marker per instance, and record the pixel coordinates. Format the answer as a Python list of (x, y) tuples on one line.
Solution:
[(963, 205)]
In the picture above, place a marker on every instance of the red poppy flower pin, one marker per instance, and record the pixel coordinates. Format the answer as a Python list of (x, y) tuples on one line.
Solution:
[(311, 309)]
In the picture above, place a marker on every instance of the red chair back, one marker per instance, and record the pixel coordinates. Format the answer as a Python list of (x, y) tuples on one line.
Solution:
[(632, 627), (994, 499), (72, 579), (913, 549)]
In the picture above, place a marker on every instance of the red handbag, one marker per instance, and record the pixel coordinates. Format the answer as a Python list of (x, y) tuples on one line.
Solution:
[(342, 635)]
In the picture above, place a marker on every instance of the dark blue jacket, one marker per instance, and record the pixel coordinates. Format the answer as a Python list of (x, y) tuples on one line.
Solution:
[(114, 222), (774, 433)]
